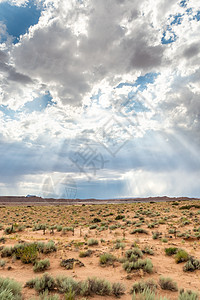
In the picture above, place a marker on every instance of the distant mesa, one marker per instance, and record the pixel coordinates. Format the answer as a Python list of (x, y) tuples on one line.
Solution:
[(30, 196)]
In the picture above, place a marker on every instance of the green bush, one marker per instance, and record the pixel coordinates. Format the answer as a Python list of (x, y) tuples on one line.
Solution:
[(85, 253), (42, 284), (139, 230), (92, 242), (171, 251), (191, 265), (67, 285), (27, 254), (188, 295), (107, 259), (133, 254), (181, 256), (118, 289), (139, 287), (166, 283), (96, 286), (147, 295), (41, 265), (9, 289), (144, 264)]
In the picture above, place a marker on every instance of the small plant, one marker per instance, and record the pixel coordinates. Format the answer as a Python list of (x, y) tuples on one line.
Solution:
[(166, 283), (144, 264), (2, 263), (139, 287), (85, 253), (41, 265), (27, 253), (42, 284), (188, 295), (96, 220), (191, 265), (107, 259), (147, 295), (171, 251), (118, 289), (181, 256), (9, 289), (139, 230), (92, 242)]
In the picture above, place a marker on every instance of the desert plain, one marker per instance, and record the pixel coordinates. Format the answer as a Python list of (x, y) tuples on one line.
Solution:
[(129, 247)]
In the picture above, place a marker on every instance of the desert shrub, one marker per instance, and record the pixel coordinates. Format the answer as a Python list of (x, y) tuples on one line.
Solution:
[(7, 251), (42, 284), (107, 259), (10, 289), (92, 242), (181, 256), (9, 230), (139, 230), (49, 247), (46, 296), (70, 295), (67, 285), (41, 265), (144, 264), (156, 235), (191, 265), (133, 254), (119, 217), (188, 295), (148, 250), (93, 226), (166, 283), (27, 253), (2, 263), (95, 286), (171, 251), (85, 253), (65, 229), (96, 220), (118, 289), (139, 287), (147, 295), (59, 228)]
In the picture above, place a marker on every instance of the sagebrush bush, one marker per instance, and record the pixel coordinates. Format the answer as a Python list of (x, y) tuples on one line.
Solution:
[(107, 259), (118, 289), (144, 264), (85, 253), (10, 289), (147, 295), (139, 287), (133, 254), (188, 295), (41, 265), (167, 283), (67, 284), (42, 284), (191, 265), (171, 251), (92, 242), (139, 230), (181, 256)]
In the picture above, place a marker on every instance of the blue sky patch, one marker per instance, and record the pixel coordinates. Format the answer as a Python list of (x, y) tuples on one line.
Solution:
[(18, 19), (197, 16), (141, 81), (39, 104)]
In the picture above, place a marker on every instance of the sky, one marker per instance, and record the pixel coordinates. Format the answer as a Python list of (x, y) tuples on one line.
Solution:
[(100, 98)]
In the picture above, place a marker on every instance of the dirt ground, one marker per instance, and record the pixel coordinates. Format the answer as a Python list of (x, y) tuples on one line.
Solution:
[(110, 224)]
